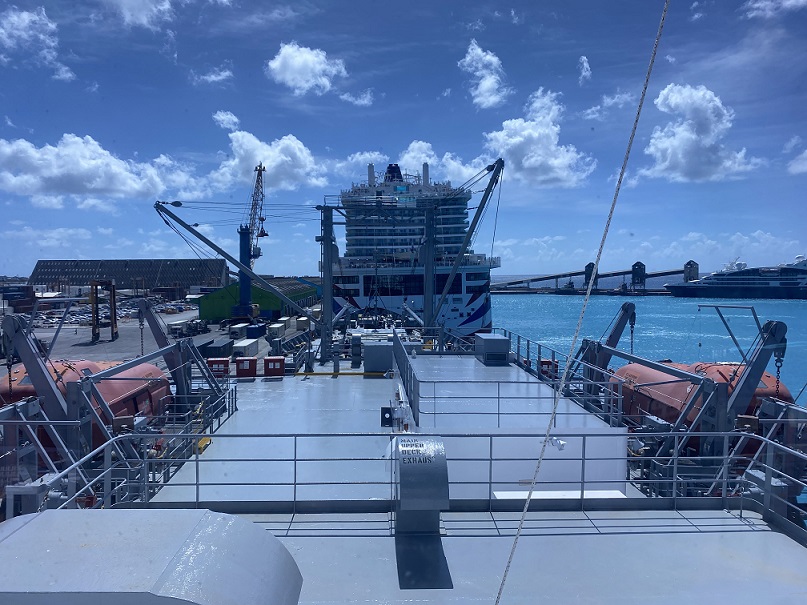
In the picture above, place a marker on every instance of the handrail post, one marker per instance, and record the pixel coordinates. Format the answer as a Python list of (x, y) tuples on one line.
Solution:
[(144, 472), (725, 469), (490, 473), (766, 497), (583, 475), (498, 405), (675, 472), (196, 457), (294, 490), (108, 476)]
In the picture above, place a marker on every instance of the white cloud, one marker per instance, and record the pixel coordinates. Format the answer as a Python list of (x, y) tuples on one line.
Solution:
[(54, 202), (304, 69), (669, 58), (365, 99), (150, 14), (618, 99), (712, 251), (62, 237), (585, 70), (226, 120), (415, 154), (475, 26), (93, 203), (217, 75), (356, 163), (445, 94), (691, 149), (531, 146), (792, 144), (487, 77), (288, 162), (771, 8), (515, 18), (32, 34), (105, 230), (74, 166), (695, 14), (798, 165)]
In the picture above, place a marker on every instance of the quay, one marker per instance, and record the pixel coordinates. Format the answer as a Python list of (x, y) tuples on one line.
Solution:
[(638, 274)]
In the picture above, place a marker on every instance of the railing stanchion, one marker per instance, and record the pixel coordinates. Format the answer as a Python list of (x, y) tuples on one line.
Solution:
[(583, 475), (196, 459)]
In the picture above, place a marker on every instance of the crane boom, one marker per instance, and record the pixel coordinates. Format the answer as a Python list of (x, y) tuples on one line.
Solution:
[(161, 209), (496, 170), (256, 217)]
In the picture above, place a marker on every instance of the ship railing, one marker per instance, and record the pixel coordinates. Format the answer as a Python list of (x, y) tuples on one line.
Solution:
[(442, 404), (475, 260), (506, 402), (332, 472)]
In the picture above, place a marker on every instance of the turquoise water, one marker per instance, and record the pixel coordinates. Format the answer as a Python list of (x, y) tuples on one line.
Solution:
[(666, 327)]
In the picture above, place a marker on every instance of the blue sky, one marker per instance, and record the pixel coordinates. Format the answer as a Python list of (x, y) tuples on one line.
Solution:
[(109, 105)]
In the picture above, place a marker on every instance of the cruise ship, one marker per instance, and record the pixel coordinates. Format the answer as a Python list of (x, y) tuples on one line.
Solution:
[(399, 228), (737, 280)]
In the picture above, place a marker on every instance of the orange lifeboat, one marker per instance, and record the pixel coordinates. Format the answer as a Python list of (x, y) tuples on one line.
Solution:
[(649, 391)]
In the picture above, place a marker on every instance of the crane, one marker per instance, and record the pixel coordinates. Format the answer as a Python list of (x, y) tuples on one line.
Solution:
[(256, 217)]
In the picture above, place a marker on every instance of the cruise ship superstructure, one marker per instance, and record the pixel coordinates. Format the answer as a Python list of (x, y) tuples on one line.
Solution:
[(388, 229)]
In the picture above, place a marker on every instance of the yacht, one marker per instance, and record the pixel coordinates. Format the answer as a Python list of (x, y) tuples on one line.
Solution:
[(737, 280)]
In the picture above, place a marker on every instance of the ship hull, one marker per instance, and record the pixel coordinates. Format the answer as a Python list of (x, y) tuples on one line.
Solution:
[(720, 291)]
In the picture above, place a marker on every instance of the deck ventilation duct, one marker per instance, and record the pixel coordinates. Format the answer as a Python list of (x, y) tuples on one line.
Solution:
[(492, 349)]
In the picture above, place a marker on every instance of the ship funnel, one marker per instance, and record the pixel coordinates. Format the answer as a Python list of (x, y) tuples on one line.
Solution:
[(371, 175), (425, 173)]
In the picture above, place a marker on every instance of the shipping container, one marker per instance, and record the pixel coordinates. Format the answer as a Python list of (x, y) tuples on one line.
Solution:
[(275, 331), (286, 321), (238, 331), (220, 347), (256, 330), (247, 347), (303, 324)]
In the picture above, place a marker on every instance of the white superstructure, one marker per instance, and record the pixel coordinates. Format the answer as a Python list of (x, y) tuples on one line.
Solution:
[(384, 263)]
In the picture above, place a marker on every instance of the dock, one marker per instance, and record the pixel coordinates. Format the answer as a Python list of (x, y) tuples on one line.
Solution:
[(637, 287)]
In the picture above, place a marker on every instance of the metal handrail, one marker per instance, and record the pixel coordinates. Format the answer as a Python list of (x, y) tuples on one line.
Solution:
[(736, 491)]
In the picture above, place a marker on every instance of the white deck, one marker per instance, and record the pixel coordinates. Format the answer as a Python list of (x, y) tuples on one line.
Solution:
[(619, 557)]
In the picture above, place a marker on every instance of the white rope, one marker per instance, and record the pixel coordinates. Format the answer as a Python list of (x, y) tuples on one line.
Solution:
[(565, 376)]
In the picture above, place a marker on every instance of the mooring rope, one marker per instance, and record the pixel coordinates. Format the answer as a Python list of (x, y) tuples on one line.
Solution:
[(565, 376)]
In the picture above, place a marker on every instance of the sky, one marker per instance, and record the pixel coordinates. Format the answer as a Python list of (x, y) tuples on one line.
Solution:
[(107, 106)]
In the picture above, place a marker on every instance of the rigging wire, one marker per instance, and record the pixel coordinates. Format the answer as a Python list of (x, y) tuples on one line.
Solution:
[(496, 216), (565, 376)]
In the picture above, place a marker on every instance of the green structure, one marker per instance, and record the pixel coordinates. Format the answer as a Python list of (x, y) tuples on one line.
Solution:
[(218, 305)]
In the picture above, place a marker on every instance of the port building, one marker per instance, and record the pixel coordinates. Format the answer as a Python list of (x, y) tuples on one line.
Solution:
[(139, 275)]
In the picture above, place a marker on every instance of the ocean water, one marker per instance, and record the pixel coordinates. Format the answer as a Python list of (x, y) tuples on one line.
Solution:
[(683, 330)]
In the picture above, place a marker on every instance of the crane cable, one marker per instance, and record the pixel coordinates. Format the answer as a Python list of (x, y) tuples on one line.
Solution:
[(565, 376)]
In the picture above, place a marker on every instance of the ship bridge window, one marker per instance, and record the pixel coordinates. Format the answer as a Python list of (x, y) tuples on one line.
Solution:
[(477, 276), (346, 279), (393, 285), (476, 288)]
